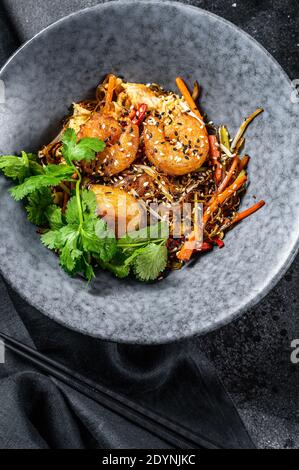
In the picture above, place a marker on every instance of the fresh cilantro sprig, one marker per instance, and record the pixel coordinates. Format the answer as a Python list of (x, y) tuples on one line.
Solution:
[(78, 235), (85, 149), (74, 237), (151, 262), (37, 206), (20, 168), (78, 243), (142, 252)]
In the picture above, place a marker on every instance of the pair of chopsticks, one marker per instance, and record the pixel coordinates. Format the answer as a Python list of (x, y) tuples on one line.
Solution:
[(172, 433)]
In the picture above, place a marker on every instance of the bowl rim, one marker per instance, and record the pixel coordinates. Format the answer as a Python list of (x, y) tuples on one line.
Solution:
[(281, 268)]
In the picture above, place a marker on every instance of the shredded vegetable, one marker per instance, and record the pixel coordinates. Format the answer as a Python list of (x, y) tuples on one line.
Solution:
[(132, 158)]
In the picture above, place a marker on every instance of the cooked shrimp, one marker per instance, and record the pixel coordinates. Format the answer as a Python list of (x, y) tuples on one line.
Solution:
[(176, 147), (155, 99), (119, 209), (122, 141), (139, 93)]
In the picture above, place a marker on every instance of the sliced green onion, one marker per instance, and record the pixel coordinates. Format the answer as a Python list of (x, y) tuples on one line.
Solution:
[(224, 137)]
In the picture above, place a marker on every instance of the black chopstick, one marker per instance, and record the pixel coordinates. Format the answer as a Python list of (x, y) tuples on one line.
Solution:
[(172, 433)]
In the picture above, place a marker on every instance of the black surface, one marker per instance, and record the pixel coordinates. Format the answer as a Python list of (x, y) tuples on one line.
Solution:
[(252, 355)]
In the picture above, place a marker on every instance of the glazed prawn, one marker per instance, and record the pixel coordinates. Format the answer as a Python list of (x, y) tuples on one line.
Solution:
[(122, 212), (122, 141), (178, 146), (176, 139)]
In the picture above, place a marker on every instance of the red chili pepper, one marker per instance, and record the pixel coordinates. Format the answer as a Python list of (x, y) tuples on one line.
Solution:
[(219, 242), (132, 113), (140, 114), (205, 246)]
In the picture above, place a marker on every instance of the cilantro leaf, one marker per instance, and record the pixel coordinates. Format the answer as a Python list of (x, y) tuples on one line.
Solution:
[(97, 240), (59, 170), (85, 149), (150, 262), (20, 168), (38, 182), (89, 203), (76, 243), (38, 203), (51, 239), (119, 270), (88, 272), (159, 231), (16, 168), (91, 143), (54, 217), (71, 255), (35, 164), (73, 258), (72, 212)]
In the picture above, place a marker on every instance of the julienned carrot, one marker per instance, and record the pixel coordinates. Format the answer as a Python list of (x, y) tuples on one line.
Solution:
[(215, 154), (110, 90), (194, 238), (229, 175), (197, 231), (186, 94), (190, 245), (244, 162), (248, 212), (221, 198), (187, 249)]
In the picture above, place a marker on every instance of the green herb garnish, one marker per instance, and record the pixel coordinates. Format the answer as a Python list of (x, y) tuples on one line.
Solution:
[(79, 237)]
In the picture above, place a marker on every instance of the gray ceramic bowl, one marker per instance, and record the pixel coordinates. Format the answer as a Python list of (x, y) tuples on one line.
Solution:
[(155, 42)]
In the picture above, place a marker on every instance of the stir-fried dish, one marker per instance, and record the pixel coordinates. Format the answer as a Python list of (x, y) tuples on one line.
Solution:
[(137, 182)]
